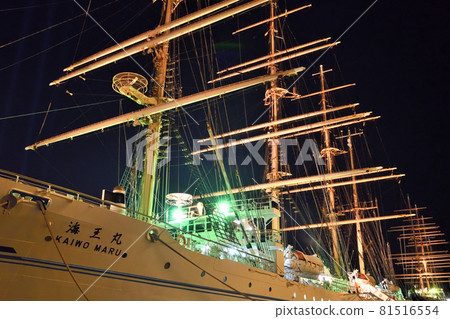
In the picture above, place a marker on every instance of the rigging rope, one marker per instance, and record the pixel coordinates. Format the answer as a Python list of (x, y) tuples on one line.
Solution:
[(81, 32), (43, 210), (29, 7), (38, 53), (83, 115), (56, 170), (45, 119), (312, 238), (55, 110), (66, 40), (50, 27), (206, 272)]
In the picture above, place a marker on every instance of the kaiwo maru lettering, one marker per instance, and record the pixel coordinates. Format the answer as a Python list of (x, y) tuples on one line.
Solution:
[(85, 244), (75, 228)]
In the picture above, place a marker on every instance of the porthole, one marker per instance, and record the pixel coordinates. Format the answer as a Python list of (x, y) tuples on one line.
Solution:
[(225, 278), (203, 274), (249, 284), (48, 238), (314, 298), (166, 265), (295, 295), (304, 296), (124, 255), (270, 289)]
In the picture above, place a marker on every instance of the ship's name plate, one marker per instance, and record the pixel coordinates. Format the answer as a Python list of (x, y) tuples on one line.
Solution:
[(110, 250), (113, 240)]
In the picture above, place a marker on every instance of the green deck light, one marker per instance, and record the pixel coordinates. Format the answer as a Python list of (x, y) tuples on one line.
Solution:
[(224, 208), (178, 214)]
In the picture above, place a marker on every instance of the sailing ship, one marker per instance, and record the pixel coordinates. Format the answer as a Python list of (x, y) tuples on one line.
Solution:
[(209, 237), (423, 261)]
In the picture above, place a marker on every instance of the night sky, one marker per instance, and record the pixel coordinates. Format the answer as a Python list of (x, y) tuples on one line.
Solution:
[(397, 53)]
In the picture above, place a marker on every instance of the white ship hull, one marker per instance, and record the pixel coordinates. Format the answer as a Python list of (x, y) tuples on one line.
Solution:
[(97, 242)]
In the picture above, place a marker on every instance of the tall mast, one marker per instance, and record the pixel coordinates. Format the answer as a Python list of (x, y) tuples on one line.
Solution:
[(359, 239), (423, 263), (329, 157), (417, 230), (273, 174), (274, 109), (151, 152), (414, 231), (421, 222)]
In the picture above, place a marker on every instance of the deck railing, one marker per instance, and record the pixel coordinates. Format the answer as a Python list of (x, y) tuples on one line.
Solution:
[(191, 241)]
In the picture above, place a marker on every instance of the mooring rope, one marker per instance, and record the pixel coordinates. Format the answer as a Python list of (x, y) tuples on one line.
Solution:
[(43, 209), (206, 272)]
